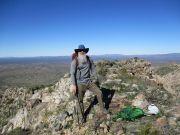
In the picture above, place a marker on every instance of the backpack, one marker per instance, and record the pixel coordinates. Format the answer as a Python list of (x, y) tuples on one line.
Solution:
[(130, 114), (75, 55)]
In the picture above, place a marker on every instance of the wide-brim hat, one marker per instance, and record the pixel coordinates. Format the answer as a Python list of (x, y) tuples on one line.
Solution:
[(81, 48)]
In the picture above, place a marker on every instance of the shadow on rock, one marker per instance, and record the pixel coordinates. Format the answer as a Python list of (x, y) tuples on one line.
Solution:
[(107, 97)]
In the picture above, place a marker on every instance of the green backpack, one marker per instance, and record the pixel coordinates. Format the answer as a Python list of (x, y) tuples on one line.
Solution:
[(129, 114)]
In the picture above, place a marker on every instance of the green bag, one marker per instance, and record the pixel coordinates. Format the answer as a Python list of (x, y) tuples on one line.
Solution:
[(129, 114)]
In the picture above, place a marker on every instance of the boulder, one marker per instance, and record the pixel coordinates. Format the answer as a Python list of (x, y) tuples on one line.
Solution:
[(140, 101), (20, 120), (35, 102), (37, 95), (46, 97)]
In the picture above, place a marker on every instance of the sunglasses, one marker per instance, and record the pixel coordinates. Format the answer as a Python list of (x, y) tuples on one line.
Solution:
[(81, 50)]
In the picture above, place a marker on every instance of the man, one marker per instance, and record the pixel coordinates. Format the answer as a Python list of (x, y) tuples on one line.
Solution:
[(83, 77)]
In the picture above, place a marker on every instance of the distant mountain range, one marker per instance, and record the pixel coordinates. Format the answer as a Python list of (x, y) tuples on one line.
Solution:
[(171, 57), (159, 58)]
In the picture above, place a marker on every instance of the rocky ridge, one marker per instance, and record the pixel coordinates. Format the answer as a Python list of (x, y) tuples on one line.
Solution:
[(132, 82)]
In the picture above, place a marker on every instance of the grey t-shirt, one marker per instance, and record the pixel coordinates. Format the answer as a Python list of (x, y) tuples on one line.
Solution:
[(83, 73)]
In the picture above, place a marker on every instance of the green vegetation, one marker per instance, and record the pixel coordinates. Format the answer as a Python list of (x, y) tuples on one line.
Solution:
[(102, 67), (48, 113), (40, 87), (37, 87), (165, 70), (131, 96), (69, 124), (60, 108), (50, 89), (16, 131), (148, 129), (103, 71)]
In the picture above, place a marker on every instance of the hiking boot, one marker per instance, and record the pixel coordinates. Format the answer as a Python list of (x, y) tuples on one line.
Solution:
[(82, 120)]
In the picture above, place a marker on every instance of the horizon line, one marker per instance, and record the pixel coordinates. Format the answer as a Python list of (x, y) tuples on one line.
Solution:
[(89, 55)]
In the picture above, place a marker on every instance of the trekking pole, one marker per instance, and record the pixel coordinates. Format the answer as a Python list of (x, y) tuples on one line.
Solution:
[(76, 116), (75, 109), (79, 105)]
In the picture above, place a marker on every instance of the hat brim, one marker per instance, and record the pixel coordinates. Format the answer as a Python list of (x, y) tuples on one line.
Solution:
[(84, 50)]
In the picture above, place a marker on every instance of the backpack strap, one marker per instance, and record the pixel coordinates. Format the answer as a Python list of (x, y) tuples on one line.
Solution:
[(88, 59), (77, 62)]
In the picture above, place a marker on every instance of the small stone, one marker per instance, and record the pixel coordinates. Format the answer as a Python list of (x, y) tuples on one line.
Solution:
[(172, 121), (67, 132), (120, 132), (91, 116), (58, 127), (175, 112), (119, 119), (108, 123), (106, 130), (64, 123), (135, 86), (104, 127), (62, 116), (101, 131), (161, 122), (125, 84), (36, 96), (108, 116), (69, 118), (67, 75)]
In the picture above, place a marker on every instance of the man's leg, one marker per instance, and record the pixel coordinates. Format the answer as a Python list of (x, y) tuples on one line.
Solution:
[(80, 96), (93, 87)]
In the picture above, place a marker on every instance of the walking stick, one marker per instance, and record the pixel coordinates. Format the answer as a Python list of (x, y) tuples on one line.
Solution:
[(81, 109), (76, 109)]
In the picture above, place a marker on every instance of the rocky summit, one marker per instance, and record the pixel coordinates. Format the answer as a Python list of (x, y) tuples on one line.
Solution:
[(133, 82)]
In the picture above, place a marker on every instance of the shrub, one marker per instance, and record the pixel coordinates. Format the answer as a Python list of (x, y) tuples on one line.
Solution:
[(164, 70), (16, 131), (149, 130), (50, 89)]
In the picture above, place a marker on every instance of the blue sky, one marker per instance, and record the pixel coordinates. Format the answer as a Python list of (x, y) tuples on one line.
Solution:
[(56, 27)]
